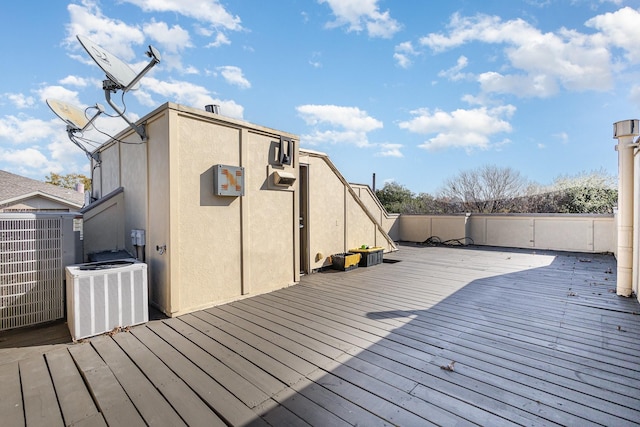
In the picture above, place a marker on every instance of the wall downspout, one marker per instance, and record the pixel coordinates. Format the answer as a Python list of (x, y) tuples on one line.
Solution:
[(624, 131)]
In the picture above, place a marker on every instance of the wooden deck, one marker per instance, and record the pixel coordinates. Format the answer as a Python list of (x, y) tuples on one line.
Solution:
[(446, 336)]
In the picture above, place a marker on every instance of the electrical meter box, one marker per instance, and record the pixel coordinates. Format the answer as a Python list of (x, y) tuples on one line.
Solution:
[(228, 180)]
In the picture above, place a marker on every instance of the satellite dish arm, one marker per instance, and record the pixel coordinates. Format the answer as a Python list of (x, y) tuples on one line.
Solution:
[(155, 59), (70, 133), (108, 86), (140, 130), (100, 109)]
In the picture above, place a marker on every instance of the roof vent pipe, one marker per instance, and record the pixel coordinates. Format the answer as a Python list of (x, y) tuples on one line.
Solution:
[(625, 131), (212, 108)]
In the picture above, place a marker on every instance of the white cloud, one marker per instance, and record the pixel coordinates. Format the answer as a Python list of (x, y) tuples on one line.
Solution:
[(20, 100), (315, 60), (485, 28), (346, 117), (359, 15), (209, 11), (203, 31), (114, 35), (389, 150), (28, 157), (172, 40), (75, 81), (126, 41), (61, 93), (220, 40), (321, 137), (191, 70), (184, 93), (22, 129), (562, 136), (62, 152), (469, 129), (337, 124), (403, 54), (542, 61), (540, 86), (170, 61), (620, 29), (121, 39), (455, 73), (58, 156), (233, 75), (474, 100)]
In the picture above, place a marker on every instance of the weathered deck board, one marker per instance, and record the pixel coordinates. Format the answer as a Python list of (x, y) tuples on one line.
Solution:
[(297, 366), (394, 374), (427, 328), (150, 404), (191, 408), (338, 405), (371, 382), (256, 322), (108, 394), (39, 397), (262, 380), (229, 379), (537, 339), (307, 409), (228, 407), (11, 408), (276, 337), (96, 420), (74, 399), (247, 350)]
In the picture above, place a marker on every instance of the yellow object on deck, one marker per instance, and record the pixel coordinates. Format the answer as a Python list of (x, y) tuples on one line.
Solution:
[(370, 256), (346, 261)]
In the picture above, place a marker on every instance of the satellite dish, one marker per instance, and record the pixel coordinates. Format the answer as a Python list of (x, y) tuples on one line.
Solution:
[(119, 76), (70, 114), (76, 121), (116, 70)]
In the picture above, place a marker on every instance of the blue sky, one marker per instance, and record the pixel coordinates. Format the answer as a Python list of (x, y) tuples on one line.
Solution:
[(413, 91)]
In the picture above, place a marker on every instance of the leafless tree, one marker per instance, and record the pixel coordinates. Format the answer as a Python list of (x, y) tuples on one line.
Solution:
[(487, 189)]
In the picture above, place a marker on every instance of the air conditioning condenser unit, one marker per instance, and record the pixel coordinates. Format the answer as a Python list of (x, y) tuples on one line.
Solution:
[(102, 296)]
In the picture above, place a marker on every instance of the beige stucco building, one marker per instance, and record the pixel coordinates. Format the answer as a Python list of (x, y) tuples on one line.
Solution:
[(229, 209)]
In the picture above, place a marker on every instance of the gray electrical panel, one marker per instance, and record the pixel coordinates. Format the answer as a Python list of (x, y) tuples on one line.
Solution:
[(228, 180)]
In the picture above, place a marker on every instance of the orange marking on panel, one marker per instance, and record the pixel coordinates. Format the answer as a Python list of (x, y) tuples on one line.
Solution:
[(231, 180)]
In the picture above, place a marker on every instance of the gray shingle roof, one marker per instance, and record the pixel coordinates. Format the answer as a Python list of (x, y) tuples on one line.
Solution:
[(14, 186)]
